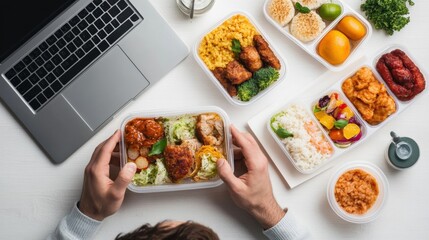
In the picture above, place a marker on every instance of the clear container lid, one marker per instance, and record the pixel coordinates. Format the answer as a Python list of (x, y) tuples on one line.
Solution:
[(186, 184)]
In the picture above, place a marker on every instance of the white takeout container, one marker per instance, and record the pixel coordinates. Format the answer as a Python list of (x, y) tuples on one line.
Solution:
[(368, 129), (390, 48), (186, 184), (236, 101), (375, 210), (283, 147), (311, 47)]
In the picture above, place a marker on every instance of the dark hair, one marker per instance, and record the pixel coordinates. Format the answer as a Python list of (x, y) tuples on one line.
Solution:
[(185, 231)]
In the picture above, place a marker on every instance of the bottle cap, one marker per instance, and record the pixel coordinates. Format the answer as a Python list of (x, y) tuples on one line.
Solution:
[(403, 152)]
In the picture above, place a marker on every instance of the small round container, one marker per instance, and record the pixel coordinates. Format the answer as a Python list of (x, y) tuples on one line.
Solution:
[(200, 6), (407, 161), (376, 209)]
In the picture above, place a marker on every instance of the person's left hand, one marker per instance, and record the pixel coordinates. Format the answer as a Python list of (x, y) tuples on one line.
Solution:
[(102, 196)]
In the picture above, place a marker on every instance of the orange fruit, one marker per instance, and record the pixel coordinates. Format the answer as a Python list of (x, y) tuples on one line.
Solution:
[(351, 130), (334, 47), (352, 28)]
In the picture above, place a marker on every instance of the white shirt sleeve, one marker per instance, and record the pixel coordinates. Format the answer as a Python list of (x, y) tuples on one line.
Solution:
[(75, 226), (288, 229)]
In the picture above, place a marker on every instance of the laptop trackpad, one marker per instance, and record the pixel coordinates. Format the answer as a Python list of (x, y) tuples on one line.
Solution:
[(105, 87)]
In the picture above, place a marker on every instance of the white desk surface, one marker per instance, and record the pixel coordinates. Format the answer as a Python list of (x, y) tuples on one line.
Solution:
[(35, 194)]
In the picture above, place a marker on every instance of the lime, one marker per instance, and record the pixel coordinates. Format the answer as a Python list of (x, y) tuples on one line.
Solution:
[(329, 11)]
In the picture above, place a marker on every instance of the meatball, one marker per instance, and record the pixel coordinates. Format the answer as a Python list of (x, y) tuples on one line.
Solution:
[(152, 129), (143, 132), (179, 162), (249, 56), (236, 73)]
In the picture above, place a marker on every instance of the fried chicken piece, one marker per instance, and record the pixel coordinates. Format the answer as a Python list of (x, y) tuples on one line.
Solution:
[(236, 73), (266, 53), (348, 88), (384, 107), (363, 77), (219, 73), (179, 162), (372, 101), (209, 129), (366, 96), (364, 109), (249, 56)]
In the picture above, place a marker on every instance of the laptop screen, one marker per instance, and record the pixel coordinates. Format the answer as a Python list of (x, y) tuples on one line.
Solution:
[(21, 19)]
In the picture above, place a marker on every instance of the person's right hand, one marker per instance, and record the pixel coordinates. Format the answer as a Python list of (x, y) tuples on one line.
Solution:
[(252, 191), (102, 196)]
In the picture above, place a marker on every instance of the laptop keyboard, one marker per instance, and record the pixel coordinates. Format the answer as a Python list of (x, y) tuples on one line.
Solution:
[(51, 66)]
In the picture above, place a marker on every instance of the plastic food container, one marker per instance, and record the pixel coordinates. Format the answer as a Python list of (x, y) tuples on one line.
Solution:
[(299, 141), (311, 46), (390, 48), (366, 128), (187, 183), (234, 100), (375, 210)]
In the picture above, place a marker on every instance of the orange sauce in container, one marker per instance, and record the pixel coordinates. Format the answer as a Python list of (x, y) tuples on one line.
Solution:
[(356, 191)]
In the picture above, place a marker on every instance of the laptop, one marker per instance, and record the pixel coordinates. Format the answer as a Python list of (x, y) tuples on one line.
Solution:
[(67, 67)]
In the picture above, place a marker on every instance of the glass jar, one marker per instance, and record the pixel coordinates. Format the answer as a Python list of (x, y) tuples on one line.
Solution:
[(200, 6)]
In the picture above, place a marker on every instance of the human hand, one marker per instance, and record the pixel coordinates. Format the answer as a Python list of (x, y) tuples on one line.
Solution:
[(101, 196), (251, 191)]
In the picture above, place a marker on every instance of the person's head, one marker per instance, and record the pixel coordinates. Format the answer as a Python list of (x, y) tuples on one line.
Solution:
[(171, 230)]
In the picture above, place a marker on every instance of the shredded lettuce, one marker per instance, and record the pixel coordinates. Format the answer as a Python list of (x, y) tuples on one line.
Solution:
[(208, 167), (155, 174), (179, 129)]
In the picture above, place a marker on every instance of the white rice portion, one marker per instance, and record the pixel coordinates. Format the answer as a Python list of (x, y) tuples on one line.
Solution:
[(304, 153)]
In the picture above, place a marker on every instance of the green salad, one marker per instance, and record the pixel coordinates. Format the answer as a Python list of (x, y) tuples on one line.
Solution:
[(179, 129), (154, 174)]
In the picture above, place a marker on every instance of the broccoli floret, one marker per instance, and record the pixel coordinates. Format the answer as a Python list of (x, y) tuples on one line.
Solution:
[(265, 77), (248, 89), (261, 79)]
